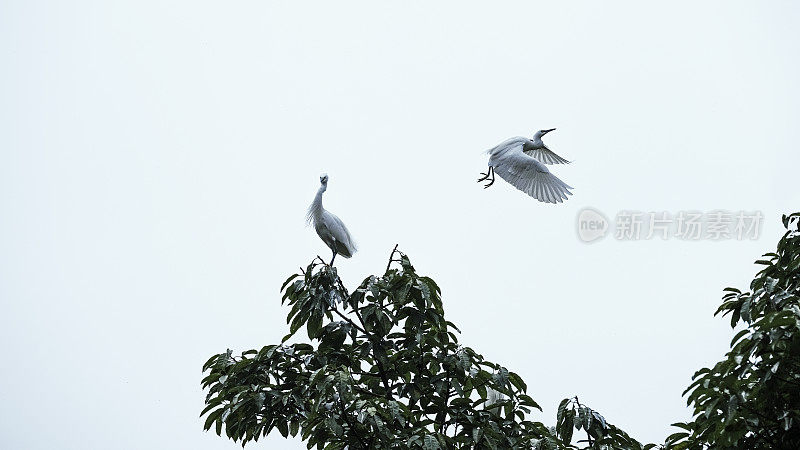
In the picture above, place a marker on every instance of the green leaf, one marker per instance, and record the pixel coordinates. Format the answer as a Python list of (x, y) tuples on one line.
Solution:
[(212, 418), (526, 400), (211, 405), (739, 336), (733, 404), (675, 437), (517, 381), (314, 324), (569, 425), (562, 407), (289, 280), (477, 433), (431, 443), (210, 362), (481, 388)]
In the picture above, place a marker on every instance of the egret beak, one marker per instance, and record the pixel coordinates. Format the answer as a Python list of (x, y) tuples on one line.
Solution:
[(547, 131)]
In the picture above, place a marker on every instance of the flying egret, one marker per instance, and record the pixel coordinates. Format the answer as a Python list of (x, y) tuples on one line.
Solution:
[(329, 227), (525, 172), (536, 148)]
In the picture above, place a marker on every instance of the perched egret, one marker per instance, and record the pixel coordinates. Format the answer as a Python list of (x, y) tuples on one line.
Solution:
[(525, 172), (329, 227)]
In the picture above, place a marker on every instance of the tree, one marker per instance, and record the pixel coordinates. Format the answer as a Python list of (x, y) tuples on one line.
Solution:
[(387, 372), (751, 399)]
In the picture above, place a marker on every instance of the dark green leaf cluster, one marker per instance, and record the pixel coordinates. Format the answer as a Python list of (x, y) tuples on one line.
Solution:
[(751, 399), (572, 415), (384, 370)]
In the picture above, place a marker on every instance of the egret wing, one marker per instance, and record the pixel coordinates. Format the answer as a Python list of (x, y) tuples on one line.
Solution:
[(543, 154), (530, 176), (345, 245)]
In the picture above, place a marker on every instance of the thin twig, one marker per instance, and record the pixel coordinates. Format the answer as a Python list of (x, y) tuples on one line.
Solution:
[(349, 320), (391, 257), (589, 436)]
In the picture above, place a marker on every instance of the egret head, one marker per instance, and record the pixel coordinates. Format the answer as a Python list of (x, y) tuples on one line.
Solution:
[(541, 133), (323, 178)]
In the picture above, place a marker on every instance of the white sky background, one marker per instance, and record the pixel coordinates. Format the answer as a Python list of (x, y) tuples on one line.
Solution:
[(156, 163)]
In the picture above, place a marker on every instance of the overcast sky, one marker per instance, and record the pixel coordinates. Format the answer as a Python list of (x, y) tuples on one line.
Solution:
[(157, 160)]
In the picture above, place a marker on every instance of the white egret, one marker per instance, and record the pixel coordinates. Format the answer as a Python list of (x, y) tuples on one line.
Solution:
[(330, 228), (525, 172), (536, 148)]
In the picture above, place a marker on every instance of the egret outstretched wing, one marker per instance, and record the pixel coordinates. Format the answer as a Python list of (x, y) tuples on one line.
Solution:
[(529, 175), (543, 154)]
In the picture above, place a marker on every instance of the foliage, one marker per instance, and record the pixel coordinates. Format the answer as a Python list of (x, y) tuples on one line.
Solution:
[(387, 372), (751, 399), (572, 415)]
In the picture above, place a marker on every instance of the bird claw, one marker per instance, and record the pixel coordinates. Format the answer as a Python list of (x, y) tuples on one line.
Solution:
[(489, 173), (485, 176)]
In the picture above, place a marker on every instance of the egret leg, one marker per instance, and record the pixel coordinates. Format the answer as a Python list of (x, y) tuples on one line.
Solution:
[(488, 173), (485, 175), (334, 257)]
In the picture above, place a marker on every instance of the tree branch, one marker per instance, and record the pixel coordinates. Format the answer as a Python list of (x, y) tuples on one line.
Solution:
[(391, 257), (349, 320), (588, 436)]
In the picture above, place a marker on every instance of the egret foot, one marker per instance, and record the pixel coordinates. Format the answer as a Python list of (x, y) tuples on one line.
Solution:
[(489, 173)]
